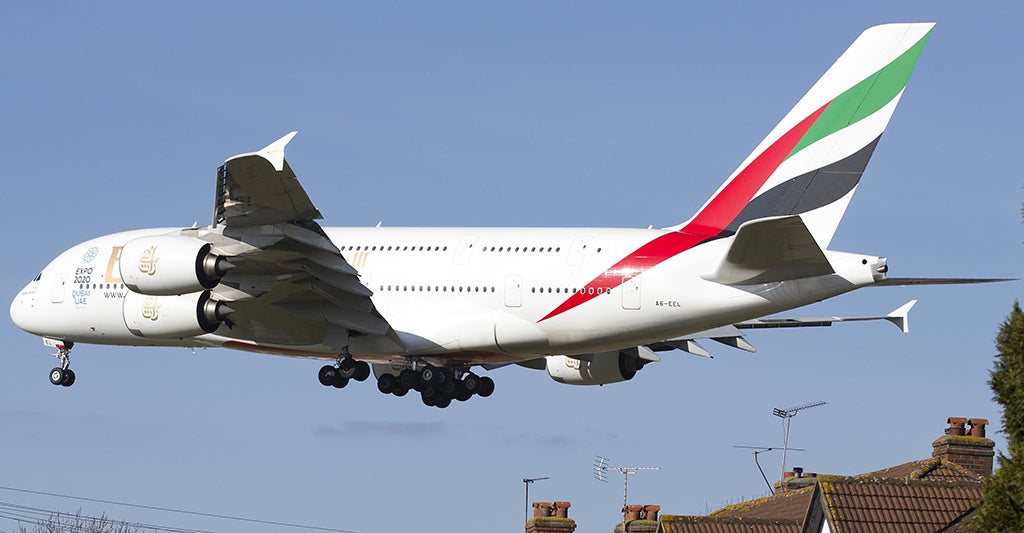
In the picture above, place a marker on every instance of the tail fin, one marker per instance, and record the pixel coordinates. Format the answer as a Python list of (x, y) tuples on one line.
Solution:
[(811, 163)]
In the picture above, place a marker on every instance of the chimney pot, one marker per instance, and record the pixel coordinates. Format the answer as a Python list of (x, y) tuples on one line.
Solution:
[(632, 512), (969, 450), (542, 509), (562, 509), (956, 425), (651, 512)]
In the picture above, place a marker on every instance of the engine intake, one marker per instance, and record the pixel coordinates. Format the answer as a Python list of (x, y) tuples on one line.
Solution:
[(163, 265), (594, 369), (173, 317)]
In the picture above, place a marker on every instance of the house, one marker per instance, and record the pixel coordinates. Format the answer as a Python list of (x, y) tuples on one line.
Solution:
[(939, 493)]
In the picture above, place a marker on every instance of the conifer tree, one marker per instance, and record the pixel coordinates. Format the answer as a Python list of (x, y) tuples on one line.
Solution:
[(1002, 507)]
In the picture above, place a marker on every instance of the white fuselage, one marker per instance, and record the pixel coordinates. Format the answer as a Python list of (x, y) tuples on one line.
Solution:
[(470, 295)]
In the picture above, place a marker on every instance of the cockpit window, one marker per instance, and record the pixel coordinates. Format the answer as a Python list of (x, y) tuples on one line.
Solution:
[(38, 276)]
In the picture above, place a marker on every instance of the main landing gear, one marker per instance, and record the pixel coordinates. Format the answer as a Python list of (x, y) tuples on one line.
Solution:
[(345, 370), (437, 386), (62, 375)]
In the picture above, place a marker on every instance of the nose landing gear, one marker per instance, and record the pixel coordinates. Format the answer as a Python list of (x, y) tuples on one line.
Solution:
[(62, 375)]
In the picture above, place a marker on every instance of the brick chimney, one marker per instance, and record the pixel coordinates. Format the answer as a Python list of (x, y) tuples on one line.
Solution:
[(966, 447), (551, 517), (638, 519)]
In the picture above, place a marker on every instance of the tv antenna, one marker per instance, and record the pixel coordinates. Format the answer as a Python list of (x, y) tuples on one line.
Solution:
[(763, 449), (601, 469), (527, 481), (787, 415)]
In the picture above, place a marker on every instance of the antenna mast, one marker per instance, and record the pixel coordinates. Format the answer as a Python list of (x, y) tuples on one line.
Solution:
[(527, 481), (763, 449), (600, 473), (787, 415)]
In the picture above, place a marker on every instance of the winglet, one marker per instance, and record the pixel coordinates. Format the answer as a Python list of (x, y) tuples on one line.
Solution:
[(901, 315), (274, 152)]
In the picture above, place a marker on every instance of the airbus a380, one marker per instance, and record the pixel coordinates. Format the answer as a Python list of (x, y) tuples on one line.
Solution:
[(425, 306)]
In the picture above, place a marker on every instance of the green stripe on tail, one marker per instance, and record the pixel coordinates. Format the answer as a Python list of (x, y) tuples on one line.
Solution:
[(866, 97)]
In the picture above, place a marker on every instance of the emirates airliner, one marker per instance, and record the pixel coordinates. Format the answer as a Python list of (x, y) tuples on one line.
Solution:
[(421, 308)]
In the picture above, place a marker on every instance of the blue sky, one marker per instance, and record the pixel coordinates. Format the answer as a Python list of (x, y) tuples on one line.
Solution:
[(528, 114)]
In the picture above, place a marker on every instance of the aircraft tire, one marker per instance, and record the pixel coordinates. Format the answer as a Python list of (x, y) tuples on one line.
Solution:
[(339, 381), (486, 387), (57, 375), (362, 371), (471, 383), (347, 368), (442, 402), (326, 375), (428, 374), (408, 379), (461, 393), (387, 383), (427, 396), (69, 378)]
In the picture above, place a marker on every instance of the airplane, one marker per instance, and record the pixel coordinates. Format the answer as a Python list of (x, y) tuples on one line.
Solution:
[(420, 308)]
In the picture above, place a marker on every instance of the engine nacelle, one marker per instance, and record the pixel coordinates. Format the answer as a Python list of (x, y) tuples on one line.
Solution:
[(170, 264), (173, 317), (594, 369)]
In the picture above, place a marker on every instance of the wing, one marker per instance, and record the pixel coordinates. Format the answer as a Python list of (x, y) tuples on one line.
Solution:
[(290, 285), (260, 188), (733, 335)]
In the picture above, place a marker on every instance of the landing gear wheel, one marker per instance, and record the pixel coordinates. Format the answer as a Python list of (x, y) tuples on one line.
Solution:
[(428, 374), (362, 371), (471, 383), (408, 379), (448, 388), (486, 387), (386, 383), (347, 368), (57, 375), (69, 378), (429, 395), (461, 394), (442, 402), (339, 381), (444, 376), (326, 375), (400, 391)]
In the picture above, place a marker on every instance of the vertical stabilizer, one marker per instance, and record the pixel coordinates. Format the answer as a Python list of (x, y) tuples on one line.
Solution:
[(811, 163)]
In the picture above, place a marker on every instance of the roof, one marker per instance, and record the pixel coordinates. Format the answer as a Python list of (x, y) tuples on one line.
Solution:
[(789, 505), (933, 468), (707, 524), (862, 505), (920, 496)]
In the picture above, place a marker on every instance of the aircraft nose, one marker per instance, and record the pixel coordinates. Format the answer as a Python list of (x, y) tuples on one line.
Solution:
[(23, 309)]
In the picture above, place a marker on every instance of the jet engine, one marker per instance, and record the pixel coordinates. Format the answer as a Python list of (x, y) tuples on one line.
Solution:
[(598, 368), (173, 317), (170, 264)]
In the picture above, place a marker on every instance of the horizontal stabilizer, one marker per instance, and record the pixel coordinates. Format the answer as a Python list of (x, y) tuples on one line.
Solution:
[(772, 249), (902, 282), (898, 317)]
